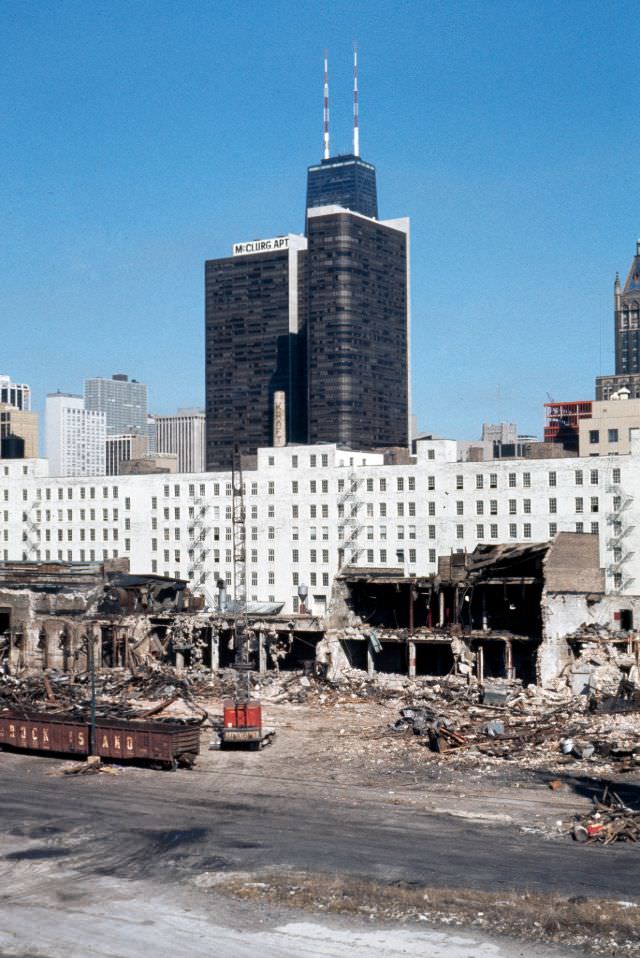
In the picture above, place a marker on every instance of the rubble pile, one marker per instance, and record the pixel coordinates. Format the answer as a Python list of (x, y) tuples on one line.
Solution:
[(602, 659), (535, 727), (119, 693), (611, 821)]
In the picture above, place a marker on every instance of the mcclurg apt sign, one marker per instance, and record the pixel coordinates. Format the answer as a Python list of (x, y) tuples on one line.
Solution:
[(261, 246)]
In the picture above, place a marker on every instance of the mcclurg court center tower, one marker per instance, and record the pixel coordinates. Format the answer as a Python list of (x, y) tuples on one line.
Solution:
[(307, 336)]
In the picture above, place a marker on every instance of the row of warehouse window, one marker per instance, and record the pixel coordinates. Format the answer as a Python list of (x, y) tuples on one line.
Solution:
[(491, 480), (579, 505), (82, 535), (484, 532), (402, 483)]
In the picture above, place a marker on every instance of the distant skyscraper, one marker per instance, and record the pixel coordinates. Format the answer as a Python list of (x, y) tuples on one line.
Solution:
[(627, 319), (626, 308), (75, 437), (345, 180), (123, 401), (15, 394), (183, 434), (253, 346), (321, 320), (357, 329)]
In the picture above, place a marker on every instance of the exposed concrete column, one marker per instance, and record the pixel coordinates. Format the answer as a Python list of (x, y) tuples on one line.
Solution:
[(179, 661), (371, 664), (412, 659), (480, 665), (508, 660), (215, 650), (441, 608), (54, 654), (262, 652)]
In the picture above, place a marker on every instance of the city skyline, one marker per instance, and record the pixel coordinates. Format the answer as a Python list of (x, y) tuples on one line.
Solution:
[(529, 167)]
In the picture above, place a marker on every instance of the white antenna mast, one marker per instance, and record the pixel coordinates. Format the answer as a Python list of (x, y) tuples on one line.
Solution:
[(325, 135), (356, 128)]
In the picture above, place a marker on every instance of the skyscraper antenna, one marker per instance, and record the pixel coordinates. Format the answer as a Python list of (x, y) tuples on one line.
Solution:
[(356, 128), (325, 135)]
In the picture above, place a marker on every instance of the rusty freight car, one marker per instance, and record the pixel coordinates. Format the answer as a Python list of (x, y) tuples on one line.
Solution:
[(170, 744)]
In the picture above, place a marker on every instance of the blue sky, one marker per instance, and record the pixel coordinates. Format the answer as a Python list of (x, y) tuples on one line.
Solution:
[(140, 138)]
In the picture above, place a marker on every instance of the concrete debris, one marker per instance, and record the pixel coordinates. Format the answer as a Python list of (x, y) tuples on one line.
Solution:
[(119, 694), (602, 658), (612, 821)]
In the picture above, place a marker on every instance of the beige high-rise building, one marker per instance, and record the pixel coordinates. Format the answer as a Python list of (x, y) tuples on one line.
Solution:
[(184, 435), (21, 424)]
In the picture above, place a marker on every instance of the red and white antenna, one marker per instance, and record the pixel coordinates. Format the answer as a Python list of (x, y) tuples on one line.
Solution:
[(356, 128), (325, 135)]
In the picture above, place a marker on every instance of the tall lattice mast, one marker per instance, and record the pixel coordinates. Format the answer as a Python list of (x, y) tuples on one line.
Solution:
[(241, 628)]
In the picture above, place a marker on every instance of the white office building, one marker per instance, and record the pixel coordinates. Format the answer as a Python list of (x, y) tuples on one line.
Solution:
[(183, 434), (123, 402), (74, 437)]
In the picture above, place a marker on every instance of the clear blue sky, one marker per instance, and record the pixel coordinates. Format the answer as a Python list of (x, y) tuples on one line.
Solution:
[(140, 138)]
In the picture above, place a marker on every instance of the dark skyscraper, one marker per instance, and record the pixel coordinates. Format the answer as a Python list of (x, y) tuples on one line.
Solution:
[(626, 309), (252, 346), (346, 180), (357, 329), (322, 319), (627, 319), (343, 181)]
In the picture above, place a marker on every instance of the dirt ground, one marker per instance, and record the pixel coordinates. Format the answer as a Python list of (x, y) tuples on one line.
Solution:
[(348, 746), (342, 799)]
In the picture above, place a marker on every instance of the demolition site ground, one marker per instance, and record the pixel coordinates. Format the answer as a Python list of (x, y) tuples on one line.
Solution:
[(348, 816)]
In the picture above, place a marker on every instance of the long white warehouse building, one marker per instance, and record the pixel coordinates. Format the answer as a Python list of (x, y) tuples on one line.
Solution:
[(312, 509)]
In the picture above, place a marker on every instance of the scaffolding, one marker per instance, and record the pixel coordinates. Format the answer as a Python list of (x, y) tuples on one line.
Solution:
[(562, 422)]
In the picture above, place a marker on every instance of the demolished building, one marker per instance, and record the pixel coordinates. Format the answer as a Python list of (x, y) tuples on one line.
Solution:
[(55, 615), (503, 611), (509, 611)]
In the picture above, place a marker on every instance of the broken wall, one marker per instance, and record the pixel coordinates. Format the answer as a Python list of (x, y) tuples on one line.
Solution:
[(563, 615)]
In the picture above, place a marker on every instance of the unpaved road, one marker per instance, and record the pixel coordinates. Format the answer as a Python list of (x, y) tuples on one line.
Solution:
[(127, 865)]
